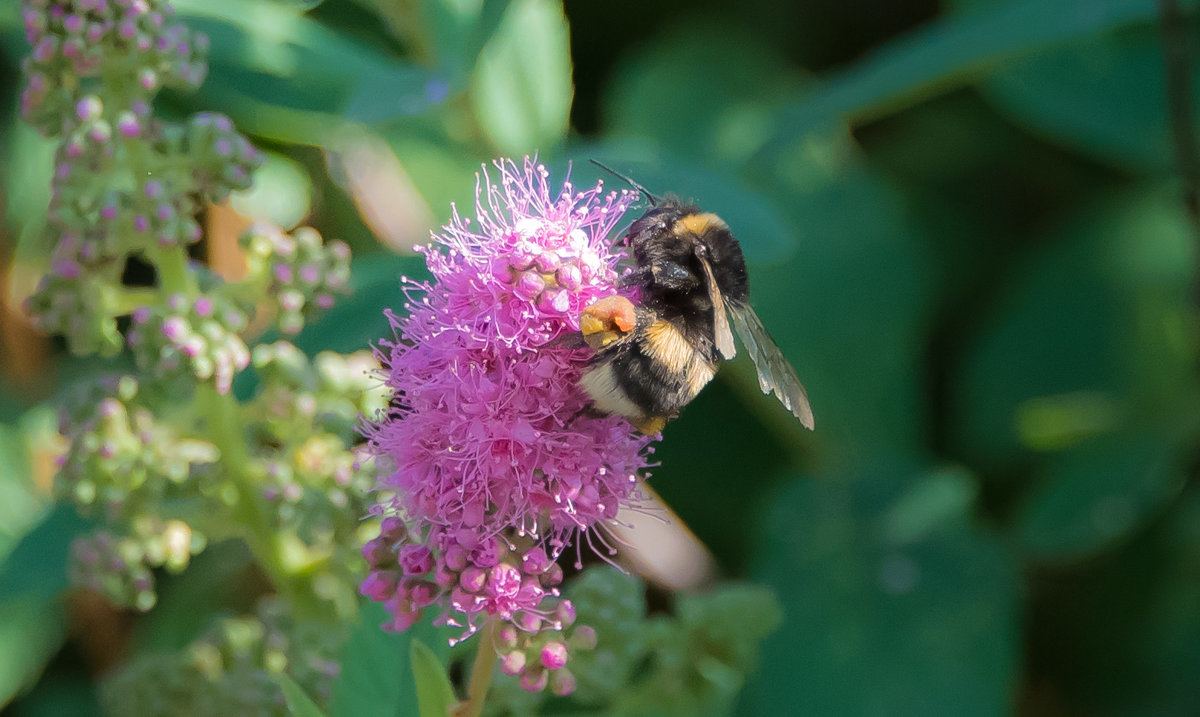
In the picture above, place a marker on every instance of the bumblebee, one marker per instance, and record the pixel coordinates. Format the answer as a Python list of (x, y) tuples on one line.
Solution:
[(652, 358)]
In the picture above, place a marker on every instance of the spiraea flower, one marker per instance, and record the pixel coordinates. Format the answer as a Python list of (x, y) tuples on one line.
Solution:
[(489, 461)]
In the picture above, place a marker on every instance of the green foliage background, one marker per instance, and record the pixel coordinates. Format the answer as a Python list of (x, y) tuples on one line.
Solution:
[(964, 227)]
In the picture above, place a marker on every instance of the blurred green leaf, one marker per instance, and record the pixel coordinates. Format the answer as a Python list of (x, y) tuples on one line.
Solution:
[(282, 74), (403, 91), (873, 626), (950, 52), (31, 632), (459, 29), (281, 193), (56, 694), (299, 703), (521, 88), (188, 601), (1146, 661), (938, 498), (849, 310), (20, 505), (375, 680), (435, 694), (700, 92), (1103, 94), (1093, 494), (1099, 306), (37, 566)]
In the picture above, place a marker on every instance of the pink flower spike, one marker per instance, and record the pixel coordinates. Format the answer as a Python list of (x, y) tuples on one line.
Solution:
[(486, 445)]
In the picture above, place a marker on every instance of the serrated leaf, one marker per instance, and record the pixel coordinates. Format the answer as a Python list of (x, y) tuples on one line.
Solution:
[(298, 702), (521, 88), (435, 694)]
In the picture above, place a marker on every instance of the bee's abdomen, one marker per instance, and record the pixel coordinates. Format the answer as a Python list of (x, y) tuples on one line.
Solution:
[(655, 374)]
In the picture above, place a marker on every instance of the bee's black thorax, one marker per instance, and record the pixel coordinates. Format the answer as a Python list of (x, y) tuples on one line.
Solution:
[(667, 243)]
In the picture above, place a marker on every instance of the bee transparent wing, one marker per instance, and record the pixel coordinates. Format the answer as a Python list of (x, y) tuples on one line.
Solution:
[(721, 332), (775, 374)]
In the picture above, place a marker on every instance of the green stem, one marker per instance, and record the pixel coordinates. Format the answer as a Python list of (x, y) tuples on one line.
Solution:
[(130, 299), (250, 509), (173, 274), (481, 674)]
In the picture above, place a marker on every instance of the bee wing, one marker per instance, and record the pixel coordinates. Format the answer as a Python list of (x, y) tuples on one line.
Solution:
[(721, 332), (774, 371)]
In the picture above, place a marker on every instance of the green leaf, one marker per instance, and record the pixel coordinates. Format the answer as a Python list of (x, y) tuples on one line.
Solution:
[(1084, 336), (37, 567), (20, 503), (299, 703), (32, 630), (215, 581), (435, 694), (459, 29), (1093, 494), (1104, 94), (950, 52), (657, 93), (401, 91), (376, 664), (880, 623), (281, 192), (260, 52), (521, 89)]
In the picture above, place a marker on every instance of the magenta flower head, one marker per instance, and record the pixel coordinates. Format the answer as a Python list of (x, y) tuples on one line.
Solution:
[(487, 455)]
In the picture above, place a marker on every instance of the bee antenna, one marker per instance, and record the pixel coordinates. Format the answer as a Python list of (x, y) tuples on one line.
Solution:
[(653, 199)]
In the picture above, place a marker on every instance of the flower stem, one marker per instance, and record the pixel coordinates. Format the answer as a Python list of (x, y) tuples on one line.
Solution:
[(481, 674), (225, 425), (173, 274)]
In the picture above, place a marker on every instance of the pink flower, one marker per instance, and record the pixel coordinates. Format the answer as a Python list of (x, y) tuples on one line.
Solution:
[(486, 445)]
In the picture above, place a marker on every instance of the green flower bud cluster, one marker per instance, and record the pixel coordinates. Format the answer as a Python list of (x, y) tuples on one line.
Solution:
[(689, 662), (135, 474), (302, 425), (171, 460), (120, 567), (125, 183), (190, 339), (231, 669), (299, 273)]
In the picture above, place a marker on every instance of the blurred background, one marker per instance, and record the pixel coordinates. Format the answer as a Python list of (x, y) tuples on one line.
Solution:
[(965, 226)]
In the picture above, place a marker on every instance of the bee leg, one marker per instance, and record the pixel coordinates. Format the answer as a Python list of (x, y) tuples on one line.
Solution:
[(650, 425), (589, 411), (638, 277), (569, 341)]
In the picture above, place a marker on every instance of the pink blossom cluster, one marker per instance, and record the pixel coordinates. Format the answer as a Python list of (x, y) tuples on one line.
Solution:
[(491, 465)]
